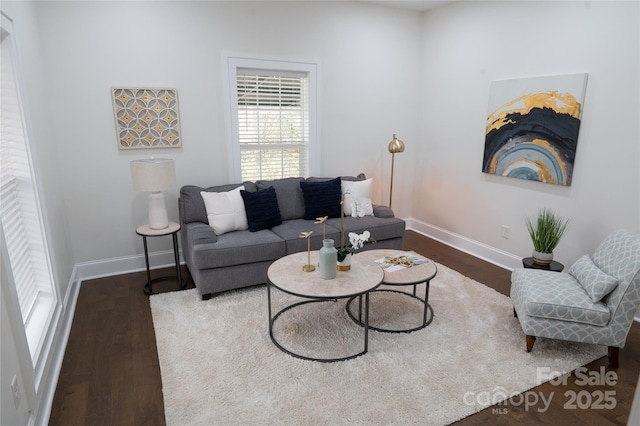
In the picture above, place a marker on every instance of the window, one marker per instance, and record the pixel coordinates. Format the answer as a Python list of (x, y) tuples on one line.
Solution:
[(22, 227), (273, 106)]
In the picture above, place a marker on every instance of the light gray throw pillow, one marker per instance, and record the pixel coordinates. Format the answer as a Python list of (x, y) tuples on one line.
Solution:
[(594, 280)]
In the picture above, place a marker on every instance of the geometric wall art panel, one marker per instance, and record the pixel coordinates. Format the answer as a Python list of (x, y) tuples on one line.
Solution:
[(532, 127), (146, 117)]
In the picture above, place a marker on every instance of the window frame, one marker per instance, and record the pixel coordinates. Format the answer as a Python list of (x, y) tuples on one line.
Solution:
[(234, 62), (37, 328)]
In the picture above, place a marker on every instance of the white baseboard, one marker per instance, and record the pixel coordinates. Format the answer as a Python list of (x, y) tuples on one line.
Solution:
[(472, 247), (56, 351), (125, 265)]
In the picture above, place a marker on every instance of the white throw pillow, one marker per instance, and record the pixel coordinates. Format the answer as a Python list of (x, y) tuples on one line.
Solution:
[(225, 210), (357, 198), (361, 207)]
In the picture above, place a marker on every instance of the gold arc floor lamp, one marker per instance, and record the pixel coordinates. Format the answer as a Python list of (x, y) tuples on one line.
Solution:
[(395, 146)]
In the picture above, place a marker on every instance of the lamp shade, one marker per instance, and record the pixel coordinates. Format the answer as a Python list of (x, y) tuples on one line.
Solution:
[(396, 145), (153, 175)]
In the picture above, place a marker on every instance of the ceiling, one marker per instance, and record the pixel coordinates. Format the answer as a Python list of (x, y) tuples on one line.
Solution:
[(418, 5)]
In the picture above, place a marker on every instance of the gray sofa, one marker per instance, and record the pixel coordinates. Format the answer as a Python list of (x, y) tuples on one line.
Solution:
[(239, 259)]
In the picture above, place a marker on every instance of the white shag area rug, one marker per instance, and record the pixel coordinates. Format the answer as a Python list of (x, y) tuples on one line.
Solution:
[(220, 367)]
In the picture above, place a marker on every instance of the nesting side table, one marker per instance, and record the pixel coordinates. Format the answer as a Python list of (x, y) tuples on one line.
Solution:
[(146, 231), (414, 276)]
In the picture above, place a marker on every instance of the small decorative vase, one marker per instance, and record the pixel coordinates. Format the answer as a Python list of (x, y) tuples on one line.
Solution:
[(345, 265), (542, 258), (328, 260)]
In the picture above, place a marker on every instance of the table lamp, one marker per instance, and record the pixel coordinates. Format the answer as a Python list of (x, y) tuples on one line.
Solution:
[(395, 146), (154, 175)]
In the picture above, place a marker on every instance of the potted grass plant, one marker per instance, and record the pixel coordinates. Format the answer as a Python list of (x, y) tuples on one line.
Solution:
[(546, 231)]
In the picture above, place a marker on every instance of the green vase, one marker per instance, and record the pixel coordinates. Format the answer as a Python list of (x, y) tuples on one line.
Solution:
[(328, 260)]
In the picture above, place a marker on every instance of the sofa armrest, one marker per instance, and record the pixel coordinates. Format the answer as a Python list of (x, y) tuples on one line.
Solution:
[(383, 212), (200, 233)]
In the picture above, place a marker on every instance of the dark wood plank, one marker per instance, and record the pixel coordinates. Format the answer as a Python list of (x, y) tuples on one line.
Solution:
[(111, 374)]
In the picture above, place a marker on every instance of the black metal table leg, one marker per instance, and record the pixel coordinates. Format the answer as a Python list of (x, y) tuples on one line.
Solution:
[(275, 341), (146, 231), (426, 318), (176, 256), (366, 322), (269, 307), (426, 302), (147, 287)]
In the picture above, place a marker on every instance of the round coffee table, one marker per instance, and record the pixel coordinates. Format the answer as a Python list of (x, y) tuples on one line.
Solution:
[(286, 274), (413, 276)]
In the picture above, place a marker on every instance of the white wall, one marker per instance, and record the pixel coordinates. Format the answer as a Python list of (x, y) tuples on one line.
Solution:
[(42, 141), (74, 52), (469, 44), (369, 58), (383, 71)]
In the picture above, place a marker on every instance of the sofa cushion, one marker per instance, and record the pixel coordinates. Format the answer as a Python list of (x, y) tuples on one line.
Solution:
[(262, 209), (225, 210), (289, 195), (555, 295), (357, 198), (596, 282), (380, 229), (238, 248), (290, 232), (322, 198)]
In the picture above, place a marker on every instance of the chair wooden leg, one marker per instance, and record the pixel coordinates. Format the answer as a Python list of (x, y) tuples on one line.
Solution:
[(515, 314), (614, 356), (530, 341)]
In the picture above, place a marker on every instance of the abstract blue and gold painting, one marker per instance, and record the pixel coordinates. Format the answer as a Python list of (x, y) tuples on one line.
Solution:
[(532, 127)]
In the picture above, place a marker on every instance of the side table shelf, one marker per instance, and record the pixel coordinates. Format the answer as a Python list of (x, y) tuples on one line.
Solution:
[(554, 266), (146, 231)]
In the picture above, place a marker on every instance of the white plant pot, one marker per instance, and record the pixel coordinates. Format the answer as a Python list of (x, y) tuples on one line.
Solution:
[(345, 265), (542, 258)]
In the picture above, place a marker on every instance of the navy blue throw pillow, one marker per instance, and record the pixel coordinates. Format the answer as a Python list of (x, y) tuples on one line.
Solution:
[(262, 208), (322, 198)]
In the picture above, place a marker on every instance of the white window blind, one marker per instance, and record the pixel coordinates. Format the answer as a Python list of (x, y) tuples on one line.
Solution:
[(273, 124), (19, 210)]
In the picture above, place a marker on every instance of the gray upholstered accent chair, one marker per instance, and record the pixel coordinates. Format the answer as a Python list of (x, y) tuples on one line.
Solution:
[(595, 301)]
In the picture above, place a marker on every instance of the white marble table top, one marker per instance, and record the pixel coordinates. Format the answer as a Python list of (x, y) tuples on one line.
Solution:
[(286, 273), (147, 231), (414, 275)]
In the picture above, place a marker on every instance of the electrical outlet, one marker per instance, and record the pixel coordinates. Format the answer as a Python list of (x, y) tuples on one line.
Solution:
[(506, 232), (15, 390)]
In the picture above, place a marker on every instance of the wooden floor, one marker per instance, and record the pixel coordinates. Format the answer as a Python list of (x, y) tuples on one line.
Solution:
[(111, 376)]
